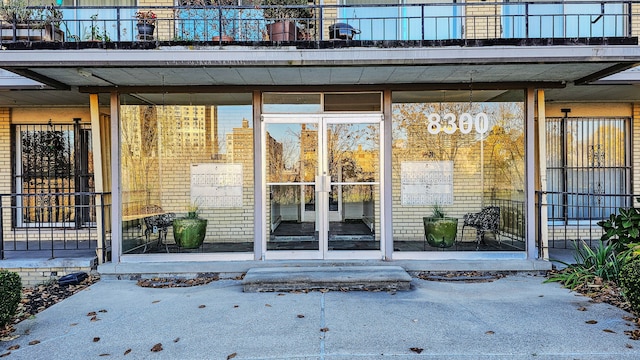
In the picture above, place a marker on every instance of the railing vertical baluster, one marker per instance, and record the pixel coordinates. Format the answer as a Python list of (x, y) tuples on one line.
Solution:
[(630, 19)]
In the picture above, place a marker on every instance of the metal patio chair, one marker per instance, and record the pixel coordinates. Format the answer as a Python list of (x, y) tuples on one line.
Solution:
[(488, 219)]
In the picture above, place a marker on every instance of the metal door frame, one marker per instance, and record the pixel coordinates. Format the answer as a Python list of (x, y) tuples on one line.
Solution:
[(322, 185)]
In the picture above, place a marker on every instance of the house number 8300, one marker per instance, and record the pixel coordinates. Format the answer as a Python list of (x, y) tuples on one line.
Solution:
[(465, 123)]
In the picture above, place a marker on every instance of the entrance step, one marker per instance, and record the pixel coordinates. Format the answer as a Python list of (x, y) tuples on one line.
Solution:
[(342, 278)]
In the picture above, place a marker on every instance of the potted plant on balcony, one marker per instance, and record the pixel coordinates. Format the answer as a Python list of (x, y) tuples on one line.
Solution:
[(189, 231), (146, 24), (284, 16), (22, 23), (439, 230)]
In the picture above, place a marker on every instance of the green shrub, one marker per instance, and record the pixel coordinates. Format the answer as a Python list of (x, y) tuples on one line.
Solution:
[(10, 292), (601, 262), (630, 283), (622, 229)]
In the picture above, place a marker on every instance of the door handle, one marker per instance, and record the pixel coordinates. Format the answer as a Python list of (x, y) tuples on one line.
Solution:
[(323, 183)]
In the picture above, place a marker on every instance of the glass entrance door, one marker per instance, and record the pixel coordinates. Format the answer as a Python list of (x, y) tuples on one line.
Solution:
[(322, 186)]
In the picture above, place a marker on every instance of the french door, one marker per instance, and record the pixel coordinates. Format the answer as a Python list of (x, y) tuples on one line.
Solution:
[(322, 186)]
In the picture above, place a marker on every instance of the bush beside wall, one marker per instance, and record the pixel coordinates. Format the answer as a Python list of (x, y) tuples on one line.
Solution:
[(10, 293)]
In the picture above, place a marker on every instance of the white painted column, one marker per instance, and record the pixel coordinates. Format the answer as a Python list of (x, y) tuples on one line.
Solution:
[(542, 171), (116, 184)]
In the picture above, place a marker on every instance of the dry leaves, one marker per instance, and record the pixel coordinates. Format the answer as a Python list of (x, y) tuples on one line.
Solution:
[(157, 347), (231, 356), (34, 342), (416, 350), (591, 322), (324, 329), (126, 352), (157, 282), (96, 339)]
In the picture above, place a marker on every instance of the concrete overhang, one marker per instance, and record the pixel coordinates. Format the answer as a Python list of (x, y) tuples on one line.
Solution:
[(224, 70)]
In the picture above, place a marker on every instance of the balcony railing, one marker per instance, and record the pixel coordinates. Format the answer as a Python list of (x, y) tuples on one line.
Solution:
[(73, 223), (413, 24)]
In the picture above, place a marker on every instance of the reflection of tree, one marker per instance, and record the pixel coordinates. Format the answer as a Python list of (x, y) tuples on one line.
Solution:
[(46, 154), (411, 121), (504, 147), (139, 141)]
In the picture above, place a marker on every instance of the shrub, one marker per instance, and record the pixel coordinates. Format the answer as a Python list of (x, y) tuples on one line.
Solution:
[(622, 229), (601, 262), (10, 292), (630, 283)]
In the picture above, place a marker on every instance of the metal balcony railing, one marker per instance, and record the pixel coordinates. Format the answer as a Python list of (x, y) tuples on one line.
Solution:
[(54, 223), (415, 24)]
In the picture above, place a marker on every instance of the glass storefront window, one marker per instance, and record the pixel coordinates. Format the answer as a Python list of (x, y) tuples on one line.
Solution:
[(176, 158), (465, 159)]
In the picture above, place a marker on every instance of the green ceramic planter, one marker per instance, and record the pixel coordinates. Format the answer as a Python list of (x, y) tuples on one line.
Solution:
[(189, 233), (440, 232)]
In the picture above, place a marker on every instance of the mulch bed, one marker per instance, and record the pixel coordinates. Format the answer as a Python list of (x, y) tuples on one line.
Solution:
[(37, 298), (157, 282), (462, 276)]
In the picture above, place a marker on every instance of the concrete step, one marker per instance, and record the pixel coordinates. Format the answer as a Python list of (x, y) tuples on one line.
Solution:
[(341, 278)]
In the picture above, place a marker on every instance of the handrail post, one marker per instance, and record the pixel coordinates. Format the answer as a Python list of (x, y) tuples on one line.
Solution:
[(103, 256), (526, 20)]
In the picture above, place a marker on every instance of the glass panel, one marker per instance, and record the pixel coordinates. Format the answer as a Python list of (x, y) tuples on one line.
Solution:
[(353, 102), (353, 163), (292, 165), (467, 159), (353, 217), (291, 103), (189, 161)]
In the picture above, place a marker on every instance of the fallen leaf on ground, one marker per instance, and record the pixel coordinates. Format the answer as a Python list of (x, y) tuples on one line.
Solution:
[(416, 350), (126, 352), (157, 347), (300, 316), (629, 346), (176, 339), (95, 318), (96, 339), (5, 354), (236, 306), (591, 322), (267, 305), (231, 356), (490, 332), (609, 331), (105, 354), (92, 313), (74, 324), (582, 308), (202, 306), (14, 347), (102, 311), (34, 342), (155, 301), (324, 329)]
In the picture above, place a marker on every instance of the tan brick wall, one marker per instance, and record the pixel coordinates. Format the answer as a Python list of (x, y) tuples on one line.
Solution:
[(483, 21), (5, 165), (635, 144), (35, 276)]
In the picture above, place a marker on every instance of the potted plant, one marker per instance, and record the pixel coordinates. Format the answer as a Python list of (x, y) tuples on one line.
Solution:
[(20, 22), (146, 24), (189, 231), (95, 32), (439, 230), (283, 17)]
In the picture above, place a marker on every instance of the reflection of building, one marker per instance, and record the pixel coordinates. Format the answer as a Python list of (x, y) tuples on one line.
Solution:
[(154, 113)]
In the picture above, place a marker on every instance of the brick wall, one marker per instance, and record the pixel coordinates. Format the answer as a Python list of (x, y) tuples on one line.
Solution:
[(482, 22)]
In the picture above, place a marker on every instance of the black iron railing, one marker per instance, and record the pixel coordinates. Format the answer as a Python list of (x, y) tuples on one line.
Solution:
[(398, 22), (85, 225), (586, 210)]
